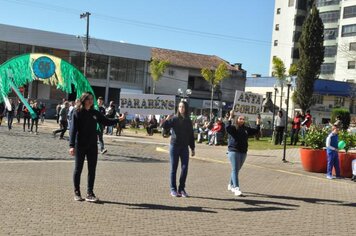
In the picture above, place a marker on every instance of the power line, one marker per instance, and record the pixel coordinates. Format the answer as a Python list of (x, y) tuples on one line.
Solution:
[(145, 24)]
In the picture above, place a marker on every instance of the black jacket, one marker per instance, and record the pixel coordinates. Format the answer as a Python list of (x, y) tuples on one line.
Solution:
[(83, 128), (238, 137), (182, 131)]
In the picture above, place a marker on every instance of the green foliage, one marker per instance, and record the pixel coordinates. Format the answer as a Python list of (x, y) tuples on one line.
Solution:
[(157, 69), (349, 138), (293, 70), (344, 114), (279, 70), (316, 137), (215, 77), (311, 51)]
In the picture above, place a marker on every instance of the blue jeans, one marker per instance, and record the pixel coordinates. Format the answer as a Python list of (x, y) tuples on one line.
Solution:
[(237, 159), (177, 152), (333, 161)]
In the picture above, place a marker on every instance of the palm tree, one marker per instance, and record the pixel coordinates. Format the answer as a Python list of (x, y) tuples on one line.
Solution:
[(214, 78), (157, 69)]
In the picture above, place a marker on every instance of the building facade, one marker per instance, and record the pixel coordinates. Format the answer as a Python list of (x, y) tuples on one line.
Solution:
[(328, 94), (114, 67), (339, 18)]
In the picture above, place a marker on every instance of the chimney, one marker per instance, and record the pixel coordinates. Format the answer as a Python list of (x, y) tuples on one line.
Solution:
[(238, 65)]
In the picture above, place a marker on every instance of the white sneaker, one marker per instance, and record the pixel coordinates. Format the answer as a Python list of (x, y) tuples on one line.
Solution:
[(229, 187), (237, 191)]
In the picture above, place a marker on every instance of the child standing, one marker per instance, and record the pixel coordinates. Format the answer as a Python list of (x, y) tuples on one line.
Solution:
[(331, 150)]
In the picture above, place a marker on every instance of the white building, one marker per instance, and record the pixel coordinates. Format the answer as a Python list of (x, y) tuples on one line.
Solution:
[(339, 18)]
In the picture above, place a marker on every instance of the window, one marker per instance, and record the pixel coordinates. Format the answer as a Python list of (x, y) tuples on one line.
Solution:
[(278, 11), (327, 68), (320, 3), (349, 12), (275, 43), (9, 50), (330, 34), (299, 20), (330, 16), (127, 70), (351, 65), (171, 72), (276, 27), (302, 5), (348, 30), (295, 53), (296, 36), (290, 3), (330, 51), (318, 99), (352, 46), (339, 101)]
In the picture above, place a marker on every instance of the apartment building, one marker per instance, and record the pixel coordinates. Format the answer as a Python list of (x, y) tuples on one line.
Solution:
[(339, 18)]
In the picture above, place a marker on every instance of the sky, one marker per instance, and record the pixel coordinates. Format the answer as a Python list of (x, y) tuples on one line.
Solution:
[(238, 31)]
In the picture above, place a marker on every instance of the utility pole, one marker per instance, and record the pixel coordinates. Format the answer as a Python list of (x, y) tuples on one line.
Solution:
[(86, 15)]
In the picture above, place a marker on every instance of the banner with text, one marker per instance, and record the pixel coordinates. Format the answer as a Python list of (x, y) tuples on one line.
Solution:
[(247, 104), (147, 104)]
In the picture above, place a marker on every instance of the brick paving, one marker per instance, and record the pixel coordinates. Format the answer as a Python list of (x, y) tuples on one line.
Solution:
[(133, 185)]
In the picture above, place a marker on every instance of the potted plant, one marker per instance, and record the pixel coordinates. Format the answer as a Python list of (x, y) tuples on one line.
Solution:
[(346, 157), (313, 156)]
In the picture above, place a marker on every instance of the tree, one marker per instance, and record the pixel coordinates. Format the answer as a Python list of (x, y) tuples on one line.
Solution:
[(279, 71), (157, 69), (214, 78), (311, 51)]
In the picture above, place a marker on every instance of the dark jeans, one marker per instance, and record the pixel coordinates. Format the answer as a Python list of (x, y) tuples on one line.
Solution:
[(333, 161), (26, 119), (63, 128), (34, 122), (294, 136), (177, 152), (150, 129), (92, 158), (10, 119), (279, 135), (100, 137)]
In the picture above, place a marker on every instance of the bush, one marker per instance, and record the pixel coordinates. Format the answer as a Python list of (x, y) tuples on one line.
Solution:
[(345, 117), (349, 138), (316, 137)]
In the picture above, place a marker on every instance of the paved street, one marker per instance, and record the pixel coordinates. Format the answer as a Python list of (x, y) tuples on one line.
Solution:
[(133, 186)]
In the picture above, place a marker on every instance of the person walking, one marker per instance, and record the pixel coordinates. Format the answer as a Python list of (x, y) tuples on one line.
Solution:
[(26, 118), (102, 110), (238, 135), (332, 153), (10, 114), (2, 111), (83, 143), (182, 137), (34, 120), (63, 121), (295, 128), (19, 110), (279, 125)]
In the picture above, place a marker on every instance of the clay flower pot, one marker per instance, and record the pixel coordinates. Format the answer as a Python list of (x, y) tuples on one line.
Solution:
[(345, 160), (313, 160)]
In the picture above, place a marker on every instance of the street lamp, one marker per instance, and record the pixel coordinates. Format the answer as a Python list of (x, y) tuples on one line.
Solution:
[(86, 15), (274, 103), (184, 94), (289, 84)]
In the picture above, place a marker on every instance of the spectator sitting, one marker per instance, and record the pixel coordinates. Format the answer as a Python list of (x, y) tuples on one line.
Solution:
[(216, 133), (152, 124)]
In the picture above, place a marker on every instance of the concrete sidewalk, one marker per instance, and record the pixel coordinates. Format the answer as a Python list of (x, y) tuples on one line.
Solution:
[(133, 185)]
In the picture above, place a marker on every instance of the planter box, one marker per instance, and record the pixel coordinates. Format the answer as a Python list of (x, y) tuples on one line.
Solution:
[(313, 160), (345, 162)]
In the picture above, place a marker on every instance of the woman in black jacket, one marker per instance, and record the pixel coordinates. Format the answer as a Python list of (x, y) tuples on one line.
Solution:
[(83, 142), (182, 137), (237, 148)]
